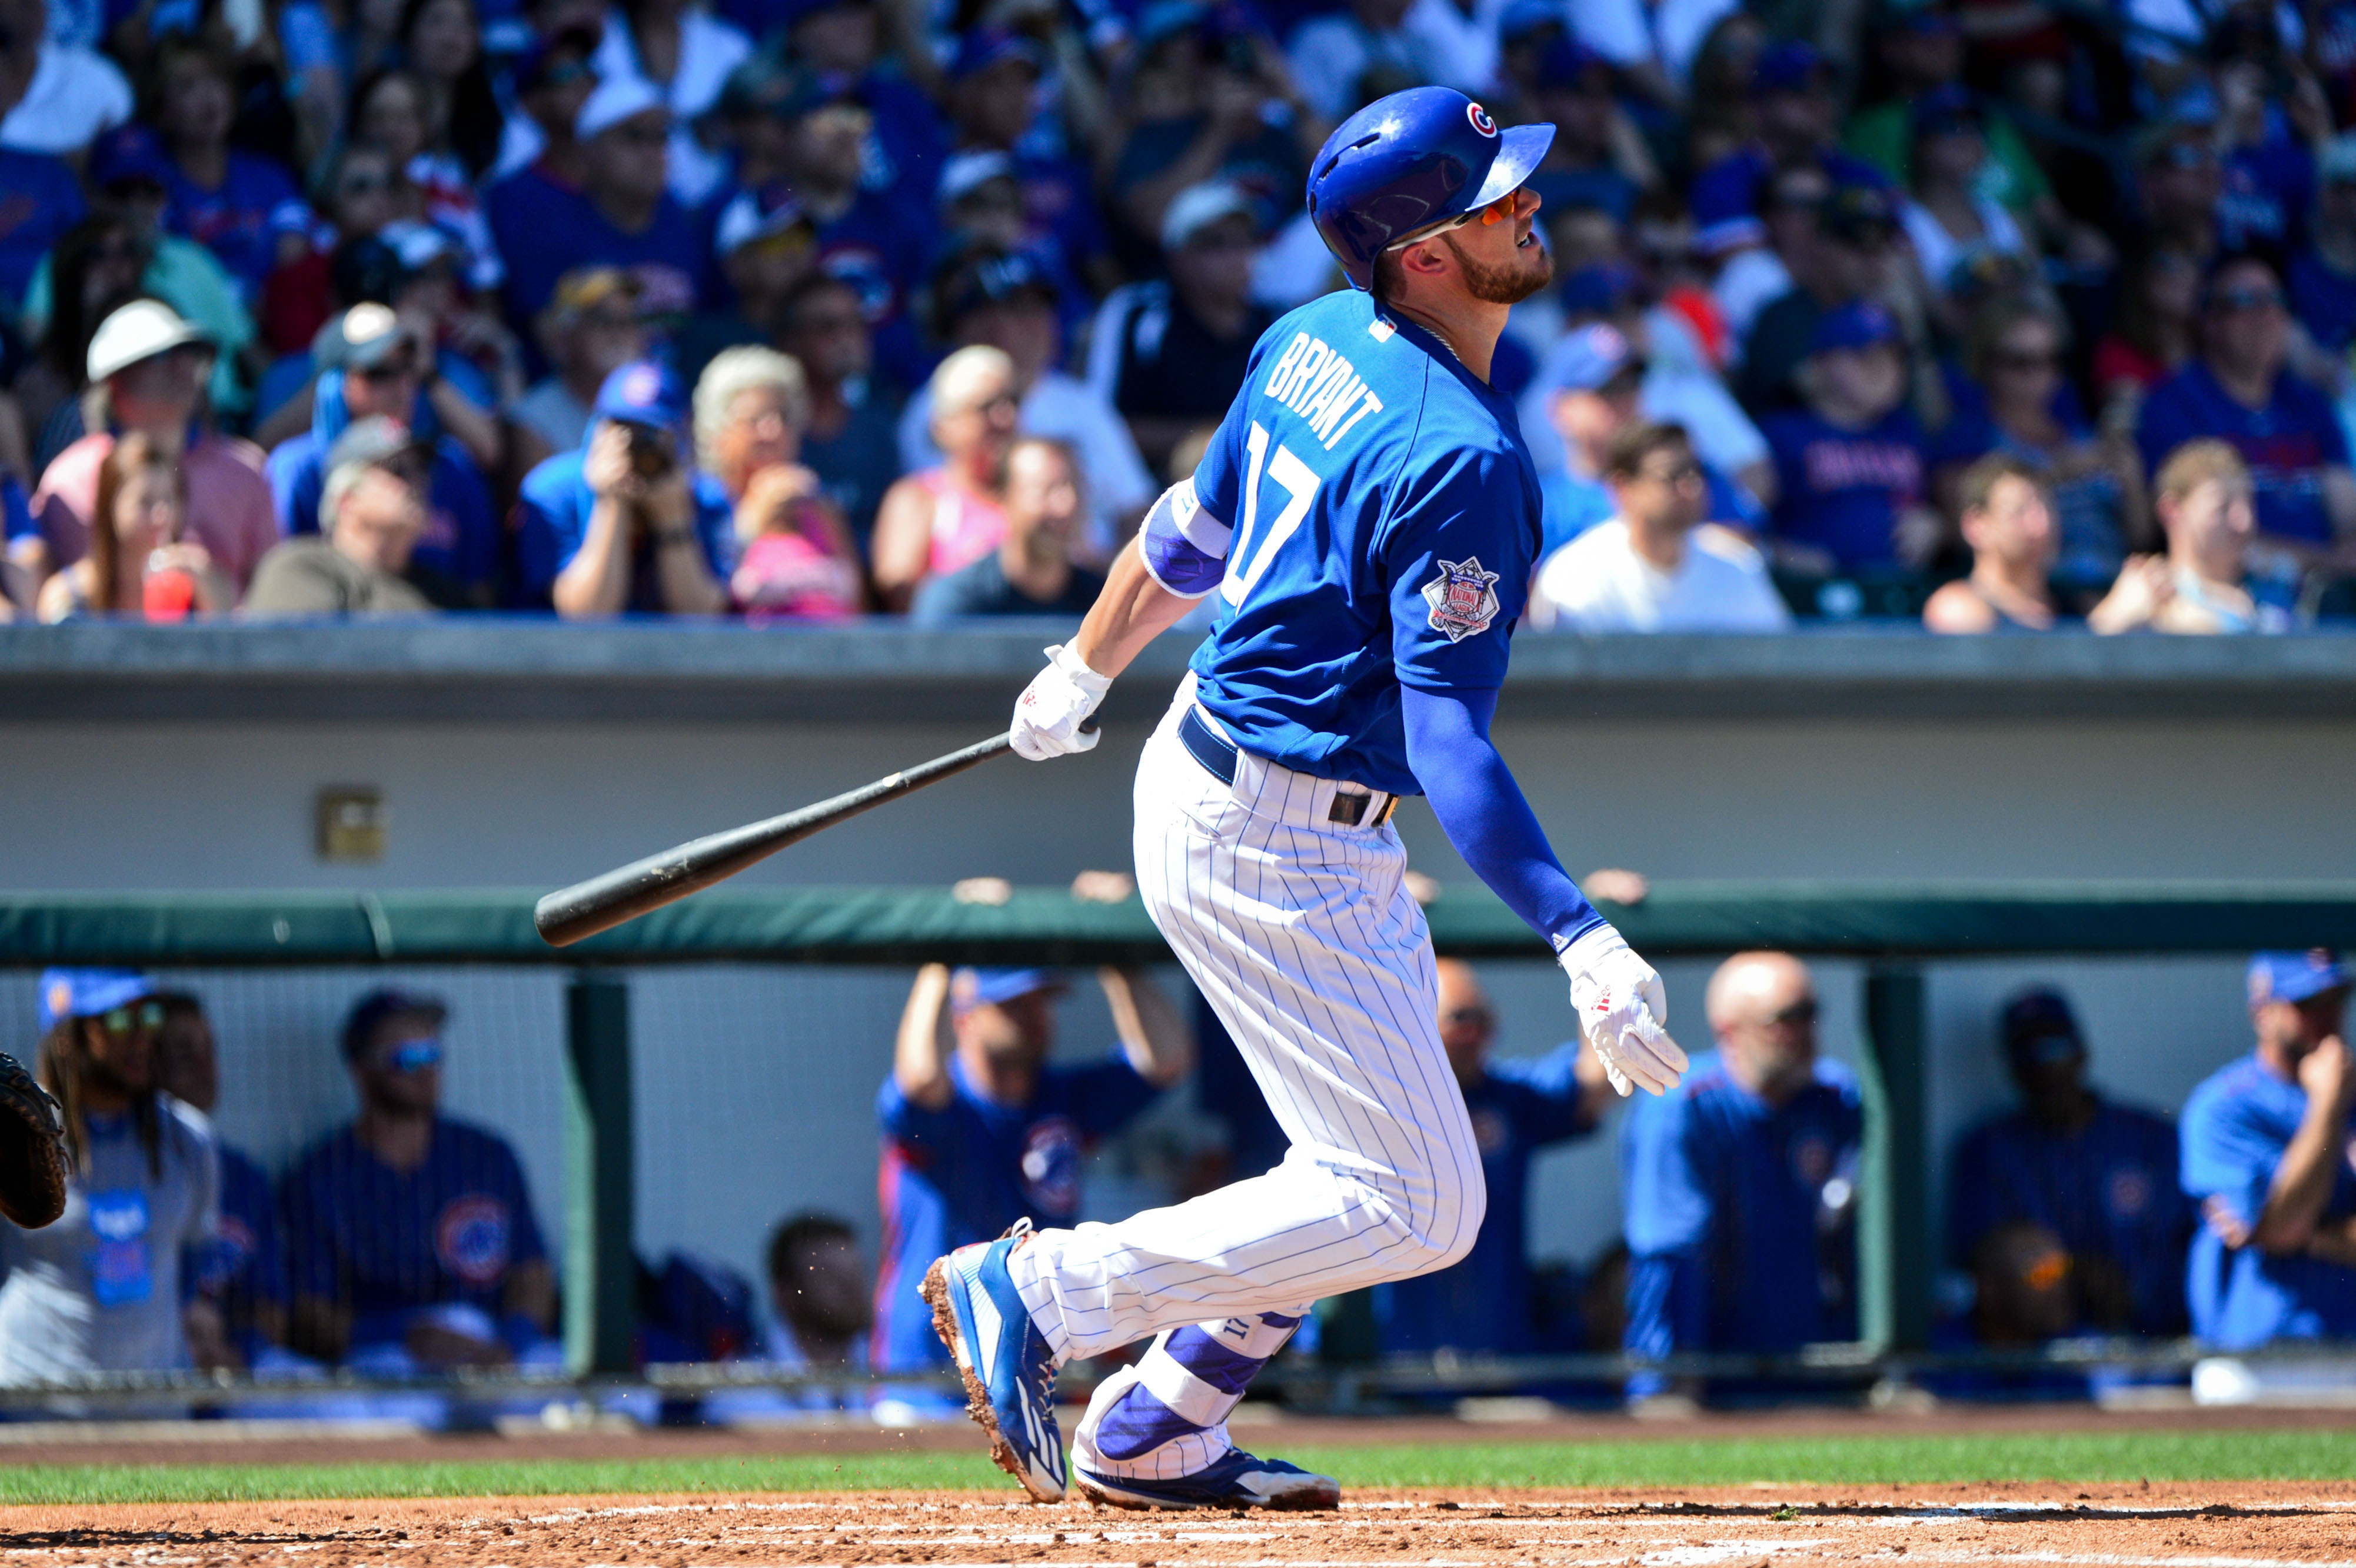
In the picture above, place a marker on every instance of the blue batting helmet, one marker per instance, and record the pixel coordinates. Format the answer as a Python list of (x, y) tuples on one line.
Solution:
[(1405, 162)]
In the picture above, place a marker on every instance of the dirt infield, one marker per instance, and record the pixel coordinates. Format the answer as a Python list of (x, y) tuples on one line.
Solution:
[(2203, 1525)]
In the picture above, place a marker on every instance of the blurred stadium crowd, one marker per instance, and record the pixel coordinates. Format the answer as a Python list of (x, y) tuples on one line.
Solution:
[(405, 1240), (1993, 313)]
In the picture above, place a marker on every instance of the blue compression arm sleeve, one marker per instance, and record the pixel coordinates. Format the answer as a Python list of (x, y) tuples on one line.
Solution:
[(1481, 810)]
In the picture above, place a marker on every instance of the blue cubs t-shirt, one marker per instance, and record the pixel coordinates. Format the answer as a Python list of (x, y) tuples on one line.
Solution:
[(1842, 490), (385, 1242), (1482, 1302), (2107, 1191), (2265, 190), (2287, 444), (1726, 1199), (462, 540), (2323, 299), (544, 231), (964, 1173), (1386, 521), (244, 1265), (40, 200), (2236, 1127), (239, 220), (552, 523)]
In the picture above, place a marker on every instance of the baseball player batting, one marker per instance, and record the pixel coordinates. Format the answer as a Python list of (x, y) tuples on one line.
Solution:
[(1369, 516)]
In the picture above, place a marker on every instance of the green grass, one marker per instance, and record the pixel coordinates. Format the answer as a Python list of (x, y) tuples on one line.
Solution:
[(2123, 1456)]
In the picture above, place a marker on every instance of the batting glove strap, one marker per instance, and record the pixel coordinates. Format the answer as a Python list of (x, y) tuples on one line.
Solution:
[(1622, 1010), (1059, 700)]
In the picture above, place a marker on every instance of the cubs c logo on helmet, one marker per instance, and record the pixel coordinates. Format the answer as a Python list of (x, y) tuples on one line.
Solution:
[(1480, 121)]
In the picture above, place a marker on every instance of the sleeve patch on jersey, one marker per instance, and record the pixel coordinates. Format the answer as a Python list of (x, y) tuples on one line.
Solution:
[(1463, 599)]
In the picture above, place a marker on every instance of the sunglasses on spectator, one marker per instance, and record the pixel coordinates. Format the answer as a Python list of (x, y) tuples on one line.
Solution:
[(1797, 1015), (1466, 1015), (2022, 360), (1686, 472), (122, 1021), (394, 370), (2246, 299), (411, 1055)]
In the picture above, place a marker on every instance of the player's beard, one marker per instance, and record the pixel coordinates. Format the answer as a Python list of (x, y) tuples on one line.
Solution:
[(1503, 285)]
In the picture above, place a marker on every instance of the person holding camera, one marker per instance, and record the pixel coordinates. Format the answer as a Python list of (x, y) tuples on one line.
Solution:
[(626, 523)]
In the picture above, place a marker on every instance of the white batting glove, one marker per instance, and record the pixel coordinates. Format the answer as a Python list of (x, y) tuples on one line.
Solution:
[(1621, 1010), (1059, 700)]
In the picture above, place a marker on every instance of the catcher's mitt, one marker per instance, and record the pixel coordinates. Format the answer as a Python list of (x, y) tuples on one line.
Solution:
[(34, 1163)]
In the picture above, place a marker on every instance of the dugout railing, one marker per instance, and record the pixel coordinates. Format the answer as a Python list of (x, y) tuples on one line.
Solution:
[(1892, 931)]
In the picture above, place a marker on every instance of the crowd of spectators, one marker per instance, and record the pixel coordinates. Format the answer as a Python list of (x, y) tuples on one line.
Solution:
[(800, 310), (404, 1241)]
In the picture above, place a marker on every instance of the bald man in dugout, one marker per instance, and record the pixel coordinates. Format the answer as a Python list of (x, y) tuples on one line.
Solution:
[(1739, 1186)]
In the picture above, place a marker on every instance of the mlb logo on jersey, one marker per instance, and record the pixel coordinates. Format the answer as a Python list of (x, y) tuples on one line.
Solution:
[(1463, 599)]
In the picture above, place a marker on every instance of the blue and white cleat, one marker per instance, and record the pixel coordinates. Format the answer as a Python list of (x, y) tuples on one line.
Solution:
[(1236, 1480), (1010, 1373)]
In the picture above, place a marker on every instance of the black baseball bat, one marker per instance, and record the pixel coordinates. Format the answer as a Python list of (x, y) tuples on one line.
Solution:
[(600, 903)]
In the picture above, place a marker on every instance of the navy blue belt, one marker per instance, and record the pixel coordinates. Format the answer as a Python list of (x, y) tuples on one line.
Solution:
[(1218, 759)]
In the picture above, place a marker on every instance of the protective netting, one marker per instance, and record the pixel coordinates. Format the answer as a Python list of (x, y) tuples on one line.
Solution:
[(754, 1085)]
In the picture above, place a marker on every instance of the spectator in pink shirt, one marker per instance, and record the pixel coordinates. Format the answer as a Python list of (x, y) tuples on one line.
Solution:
[(147, 369)]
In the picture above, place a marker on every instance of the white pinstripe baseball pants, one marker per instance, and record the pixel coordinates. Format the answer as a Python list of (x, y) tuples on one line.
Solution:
[(1302, 936)]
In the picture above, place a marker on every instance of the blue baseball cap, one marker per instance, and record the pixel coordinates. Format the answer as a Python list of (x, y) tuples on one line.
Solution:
[(380, 1006), (643, 391), (1568, 62), (1858, 324), (985, 48), (127, 153), (1946, 109), (1520, 18), (1790, 67), (2295, 977), (86, 993), (970, 989), (2040, 1024), (1601, 288), (1590, 357)]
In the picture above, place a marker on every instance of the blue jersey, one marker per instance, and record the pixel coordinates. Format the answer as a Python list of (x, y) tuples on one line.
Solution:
[(239, 220), (40, 200), (1842, 490), (2236, 1127), (2107, 1191), (1386, 519), (1736, 1214), (243, 1267), (544, 230), (965, 1172), (2323, 298), (552, 523), (385, 1242), (2287, 443), (462, 541), (1482, 1302)]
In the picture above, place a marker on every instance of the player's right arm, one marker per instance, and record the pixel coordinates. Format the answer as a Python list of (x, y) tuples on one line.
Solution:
[(1154, 581)]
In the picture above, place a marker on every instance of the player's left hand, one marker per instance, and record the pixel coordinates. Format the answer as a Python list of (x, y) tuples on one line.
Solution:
[(1622, 1010), (1050, 714)]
